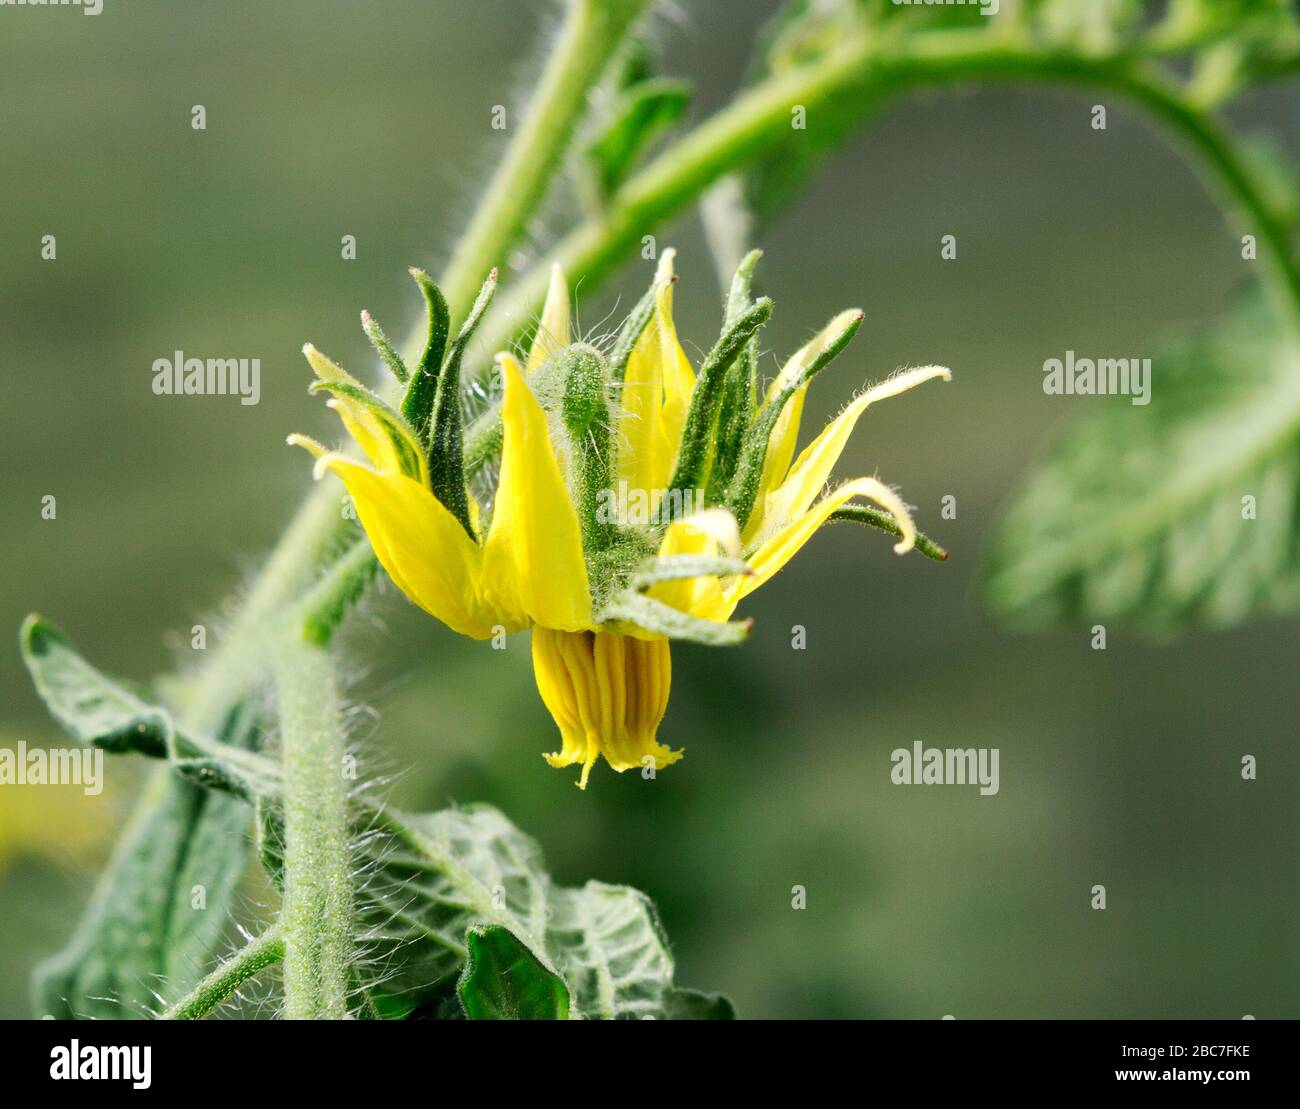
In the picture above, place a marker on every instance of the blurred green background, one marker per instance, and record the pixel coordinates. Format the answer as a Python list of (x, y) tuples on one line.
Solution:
[(327, 118)]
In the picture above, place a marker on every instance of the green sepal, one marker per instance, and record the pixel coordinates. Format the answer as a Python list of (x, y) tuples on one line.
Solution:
[(383, 347), (697, 438), (631, 607), (483, 440), (417, 404), (738, 295), (398, 431), (584, 407), (644, 111), (879, 518), (477, 310), (739, 389), (681, 567), (749, 470), (503, 980), (628, 335), (446, 441)]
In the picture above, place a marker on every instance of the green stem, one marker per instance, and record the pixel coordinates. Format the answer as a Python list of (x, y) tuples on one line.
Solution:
[(328, 602), (238, 662), (248, 961), (590, 36), (316, 917), (737, 133)]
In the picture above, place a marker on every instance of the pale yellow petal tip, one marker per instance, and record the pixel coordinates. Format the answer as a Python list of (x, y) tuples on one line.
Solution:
[(719, 525), (316, 448), (664, 270), (559, 760), (919, 374), (553, 330), (326, 369), (325, 463)]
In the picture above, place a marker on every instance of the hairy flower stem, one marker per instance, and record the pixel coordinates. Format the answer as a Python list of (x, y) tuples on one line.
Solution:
[(237, 662), (316, 917), (255, 956), (590, 37)]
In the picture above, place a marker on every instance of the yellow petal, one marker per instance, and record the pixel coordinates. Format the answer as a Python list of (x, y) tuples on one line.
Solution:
[(678, 377), (533, 568), (553, 328), (363, 425), (776, 462), (807, 354), (608, 694), (813, 467), (785, 435), (711, 534), (772, 555), (657, 385), (423, 547)]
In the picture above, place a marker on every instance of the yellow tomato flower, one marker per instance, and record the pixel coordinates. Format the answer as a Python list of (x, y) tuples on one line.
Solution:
[(634, 502)]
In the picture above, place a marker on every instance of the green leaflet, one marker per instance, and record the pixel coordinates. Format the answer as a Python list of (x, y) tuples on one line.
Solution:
[(802, 32), (432, 878), (1137, 514), (142, 942), (503, 980), (643, 112), (142, 939)]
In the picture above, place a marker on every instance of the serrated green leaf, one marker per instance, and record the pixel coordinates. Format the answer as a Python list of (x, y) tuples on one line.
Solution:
[(503, 980), (440, 874), (1138, 514), (100, 711), (142, 942), (93, 709), (160, 909), (430, 878)]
